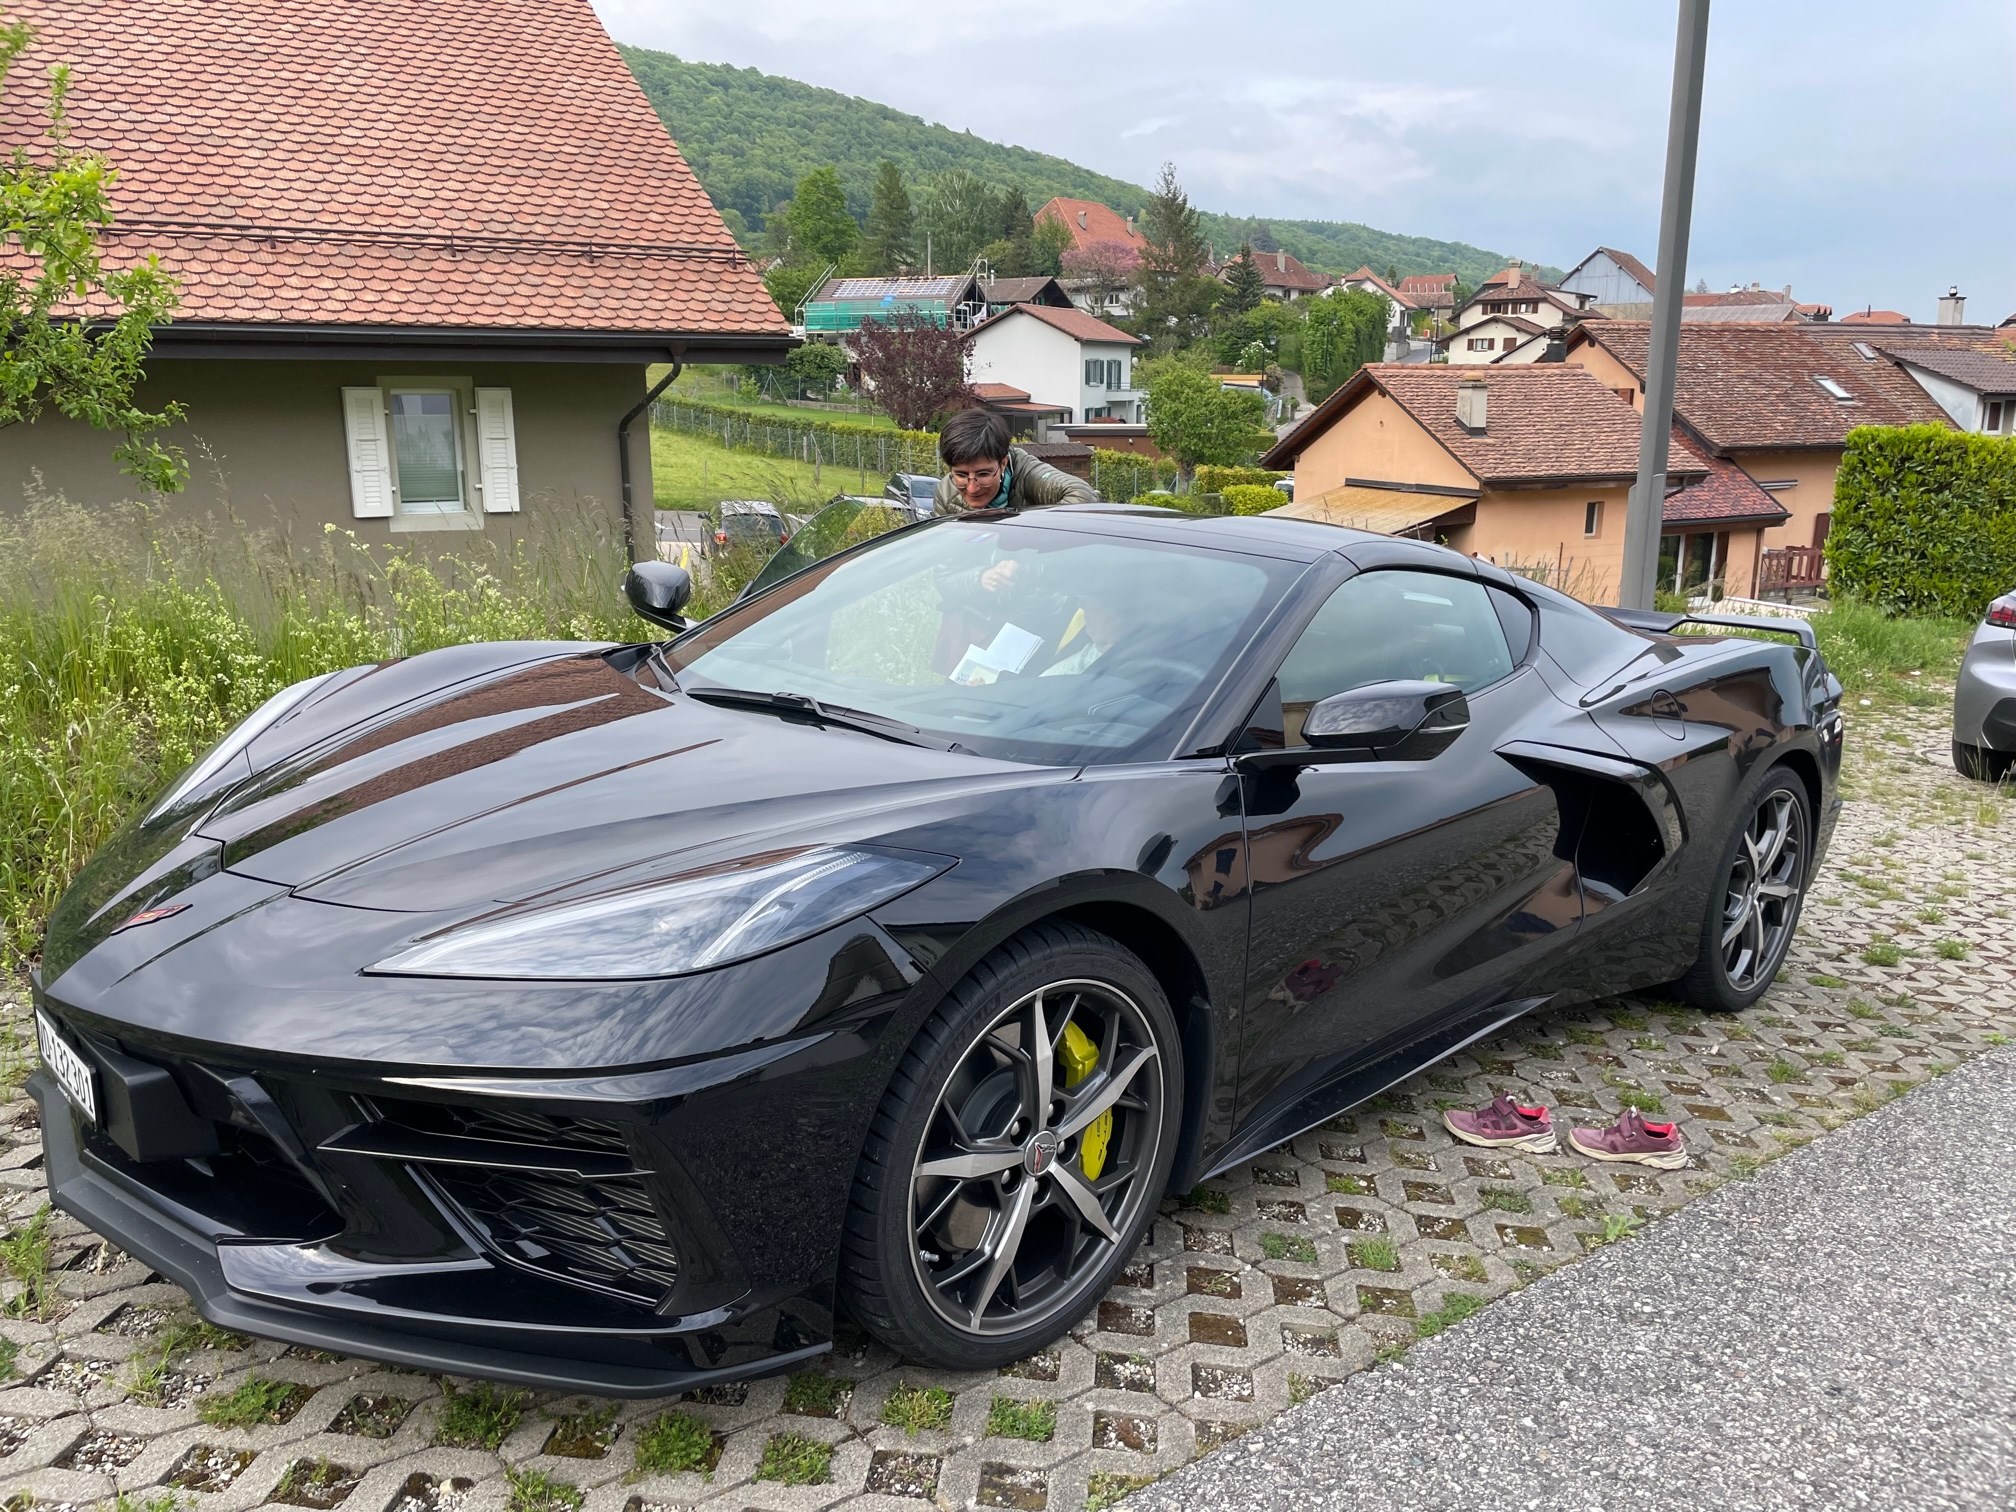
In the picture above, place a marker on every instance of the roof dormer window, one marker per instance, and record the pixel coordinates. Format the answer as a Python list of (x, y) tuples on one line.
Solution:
[(1833, 389)]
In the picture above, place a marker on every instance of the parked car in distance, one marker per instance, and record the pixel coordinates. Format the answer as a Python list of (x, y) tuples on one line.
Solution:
[(748, 522), (916, 491), (604, 1017), (1984, 702)]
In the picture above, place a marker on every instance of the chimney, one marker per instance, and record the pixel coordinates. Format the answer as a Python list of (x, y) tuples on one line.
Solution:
[(1081, 220), (1556, 349), (1515, 273), (1130, 225), (1952, 306), (1470, 405), (1280, 262)]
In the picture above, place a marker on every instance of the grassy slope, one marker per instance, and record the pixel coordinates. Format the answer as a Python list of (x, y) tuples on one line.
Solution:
[(751, 135), (689, 472)]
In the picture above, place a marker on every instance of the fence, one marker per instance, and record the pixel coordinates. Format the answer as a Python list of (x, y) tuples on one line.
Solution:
[(871, 452)]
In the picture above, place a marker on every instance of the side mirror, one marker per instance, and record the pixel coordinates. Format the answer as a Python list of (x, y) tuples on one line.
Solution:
[(1389, 721), (658, 591)]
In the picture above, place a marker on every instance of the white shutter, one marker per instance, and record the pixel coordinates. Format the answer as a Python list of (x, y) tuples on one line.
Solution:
[(370, 456), (497, 450)]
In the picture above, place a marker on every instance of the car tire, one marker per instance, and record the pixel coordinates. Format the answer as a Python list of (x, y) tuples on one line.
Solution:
[(901, 1256), (1982, 764), (1722, 978)]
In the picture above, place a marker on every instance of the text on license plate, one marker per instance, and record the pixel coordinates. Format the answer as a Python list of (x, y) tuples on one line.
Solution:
[(71, 1070)]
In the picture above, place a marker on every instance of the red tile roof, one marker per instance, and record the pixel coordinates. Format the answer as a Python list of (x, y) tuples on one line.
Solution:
[(1366, 275), (1989, 368), (1072, 322), (1724, 495), (1876, 317), (1736, 297), (1088, 221), (1543, 422), (1430, 284), (458, 164), (1281, 270), (1744, 387), (999, 391)]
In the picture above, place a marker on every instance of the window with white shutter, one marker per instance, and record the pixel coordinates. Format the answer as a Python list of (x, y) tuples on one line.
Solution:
[(370, 455), (497, 450)]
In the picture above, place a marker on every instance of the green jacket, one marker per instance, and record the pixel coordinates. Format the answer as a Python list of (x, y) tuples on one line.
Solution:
[(1031, 485)]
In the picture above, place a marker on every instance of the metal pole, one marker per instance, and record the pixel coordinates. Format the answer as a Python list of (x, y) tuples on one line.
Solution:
[(1683, 136)]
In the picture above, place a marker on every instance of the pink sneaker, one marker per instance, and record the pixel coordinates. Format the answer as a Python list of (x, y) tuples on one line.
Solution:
[(1503, 1125), (1631, 1138)]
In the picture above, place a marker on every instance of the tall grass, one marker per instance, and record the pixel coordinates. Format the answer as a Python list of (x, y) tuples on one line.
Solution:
[(1869, 651), (130, 640)]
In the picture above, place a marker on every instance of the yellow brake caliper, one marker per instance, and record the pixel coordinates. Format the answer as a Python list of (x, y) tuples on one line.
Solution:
[(1080, 1056)]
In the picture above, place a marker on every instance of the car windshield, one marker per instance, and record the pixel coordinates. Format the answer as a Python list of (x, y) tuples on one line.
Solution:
[(1015, 640)]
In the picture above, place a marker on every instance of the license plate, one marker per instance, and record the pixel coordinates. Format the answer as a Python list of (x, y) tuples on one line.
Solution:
[(71, 1070)]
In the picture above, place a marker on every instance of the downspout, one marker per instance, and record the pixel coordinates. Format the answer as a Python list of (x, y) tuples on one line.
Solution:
[(623, 461)]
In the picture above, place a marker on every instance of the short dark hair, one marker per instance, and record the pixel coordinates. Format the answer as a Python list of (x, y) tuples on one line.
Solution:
[(973, 435)]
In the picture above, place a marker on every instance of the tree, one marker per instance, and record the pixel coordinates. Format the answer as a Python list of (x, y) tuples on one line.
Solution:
[(54, 203), (789, 283), (1195, 420), (1018, 236), (1105, 267), (1341, 332), (1176, 292), (1242, 283), (1270, 324), (1048, 243), (959, 214), (814, 368), (913, 368), (817, 223), (892, 224)]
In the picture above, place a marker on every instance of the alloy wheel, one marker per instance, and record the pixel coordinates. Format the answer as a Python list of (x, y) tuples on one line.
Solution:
[(1033, 1162), (1761, 898)]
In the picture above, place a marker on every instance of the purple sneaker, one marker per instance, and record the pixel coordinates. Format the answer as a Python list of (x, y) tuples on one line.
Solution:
[(1503, 1125), (1631, 1138)]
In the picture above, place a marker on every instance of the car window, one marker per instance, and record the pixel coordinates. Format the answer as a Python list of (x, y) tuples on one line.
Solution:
[(1025, 642), (1386, 625)]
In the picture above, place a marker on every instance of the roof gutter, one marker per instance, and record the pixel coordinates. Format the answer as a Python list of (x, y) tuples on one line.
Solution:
[(623, 459)]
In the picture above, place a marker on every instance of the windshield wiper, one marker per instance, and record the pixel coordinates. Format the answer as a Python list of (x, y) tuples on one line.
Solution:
[(837, 715)]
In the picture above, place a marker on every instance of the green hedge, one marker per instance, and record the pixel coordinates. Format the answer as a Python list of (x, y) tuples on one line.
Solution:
[(1252, 498), (1217, 479), (1924, 520)]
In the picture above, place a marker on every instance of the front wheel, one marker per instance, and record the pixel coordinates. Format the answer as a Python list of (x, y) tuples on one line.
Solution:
[(1754, 908), (1982, 764), (1018, 1153)]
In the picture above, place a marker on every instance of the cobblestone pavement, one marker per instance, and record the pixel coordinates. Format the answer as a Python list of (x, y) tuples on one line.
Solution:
[(1260, 1288)]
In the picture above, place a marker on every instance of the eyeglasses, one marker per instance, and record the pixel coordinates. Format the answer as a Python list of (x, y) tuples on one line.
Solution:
[(966, 477)]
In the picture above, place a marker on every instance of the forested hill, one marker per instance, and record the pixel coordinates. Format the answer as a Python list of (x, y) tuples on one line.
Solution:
[(751, 136)]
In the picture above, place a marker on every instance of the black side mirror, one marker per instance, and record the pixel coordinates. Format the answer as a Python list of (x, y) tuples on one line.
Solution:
[(658, 591), (1388, 721)]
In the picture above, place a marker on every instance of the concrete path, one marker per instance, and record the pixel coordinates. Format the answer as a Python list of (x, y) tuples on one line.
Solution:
[(1837, 1332)]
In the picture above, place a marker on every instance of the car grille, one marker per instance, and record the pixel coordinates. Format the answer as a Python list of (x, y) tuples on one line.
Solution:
[(599, 1228)]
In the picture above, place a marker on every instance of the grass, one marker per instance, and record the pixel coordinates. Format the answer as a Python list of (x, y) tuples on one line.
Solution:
[(1375, 1254), (1454, 1309), (691, 472), (1618, 1226), (1882, 953), (673, 1442), (316, 1476), (24, 1257), (1207, 1200), (1950, 950), (251, 1402), (715, 386), (1873, 654), (813, 1393), (1355, 1186), (9, 1353), (1822, 979), (477, 1417), (916, 1408), (130, 640), (1011, 1417), (795, 1460), (1505, 1199), (1288, 1247), (536, 1491), (1105, 1488), (1782, 1070), (1563, 1176)]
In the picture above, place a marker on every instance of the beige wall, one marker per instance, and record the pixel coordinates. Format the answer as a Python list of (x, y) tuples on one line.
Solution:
[(265, 440), (1377, 440), (1611, 373), (1530, 529), (1811, 495)]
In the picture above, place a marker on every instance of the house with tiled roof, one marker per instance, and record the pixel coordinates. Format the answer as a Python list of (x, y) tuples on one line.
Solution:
[(1434, 292), (1970, 374), (1611, 277), (1071, 366), (1400, 309), (426, 256), (1283, 276), (1516, 305), (1776, 399), (1102, 235), (1529, 466)]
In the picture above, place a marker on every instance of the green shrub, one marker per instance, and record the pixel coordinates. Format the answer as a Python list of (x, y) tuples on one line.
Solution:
[(1125, 475), (1252, 498), (1212, 479), (1924, 520)]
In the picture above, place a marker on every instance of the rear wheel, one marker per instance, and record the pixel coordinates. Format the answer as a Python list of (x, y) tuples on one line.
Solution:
[(1754, 908), (1982, 764), (1018, 1154)]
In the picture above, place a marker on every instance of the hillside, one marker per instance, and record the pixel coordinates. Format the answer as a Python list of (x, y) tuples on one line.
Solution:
[(751, 136)]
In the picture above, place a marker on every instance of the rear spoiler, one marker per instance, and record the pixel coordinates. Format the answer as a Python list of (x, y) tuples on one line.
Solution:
[(1662, 622)]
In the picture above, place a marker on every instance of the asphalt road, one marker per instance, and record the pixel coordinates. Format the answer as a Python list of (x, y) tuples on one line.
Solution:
[(1839, 1331)]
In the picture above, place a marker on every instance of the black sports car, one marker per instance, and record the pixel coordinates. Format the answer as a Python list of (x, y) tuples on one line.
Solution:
[(606, 1017)]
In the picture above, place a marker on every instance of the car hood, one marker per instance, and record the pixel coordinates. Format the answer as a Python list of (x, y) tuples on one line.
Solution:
[(571, 769)]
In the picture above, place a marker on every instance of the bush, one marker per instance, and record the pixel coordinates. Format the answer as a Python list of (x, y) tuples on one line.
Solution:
[(1252, 498), (1924, 521), (1217, 479)]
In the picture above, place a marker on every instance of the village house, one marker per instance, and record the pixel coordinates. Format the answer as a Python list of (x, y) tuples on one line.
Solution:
[(1618, 285), (425, 261), (1073, 366), (1528, 466), (1400, 310), (1432, 292), (1283, 277), (1102, 235), (1509, 310)]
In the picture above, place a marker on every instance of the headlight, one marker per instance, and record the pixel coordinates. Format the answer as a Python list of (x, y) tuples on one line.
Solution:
[(687, 923), (233, 745)]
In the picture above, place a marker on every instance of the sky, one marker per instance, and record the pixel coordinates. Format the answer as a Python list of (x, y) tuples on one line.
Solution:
[(1857, 151)]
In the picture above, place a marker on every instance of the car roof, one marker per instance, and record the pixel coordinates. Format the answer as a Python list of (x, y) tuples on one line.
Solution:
[(747, 506), (1263, 534)]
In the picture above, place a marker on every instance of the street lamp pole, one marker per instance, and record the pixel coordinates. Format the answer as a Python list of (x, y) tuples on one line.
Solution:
[(1683, 136)]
